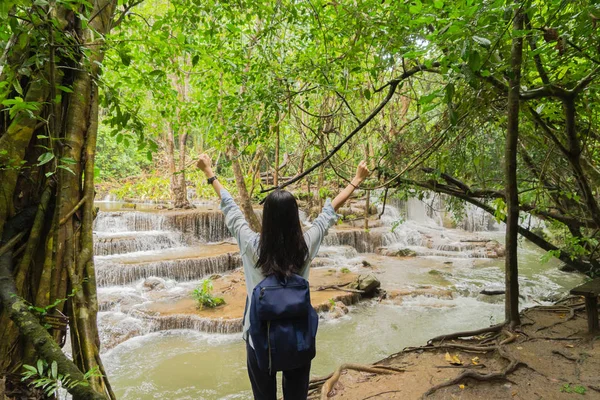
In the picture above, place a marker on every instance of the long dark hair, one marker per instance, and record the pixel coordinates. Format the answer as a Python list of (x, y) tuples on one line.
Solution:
[(282, 248)]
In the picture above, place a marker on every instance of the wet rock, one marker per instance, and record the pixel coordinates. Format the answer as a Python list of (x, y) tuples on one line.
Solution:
[(494, 249), (338, 310), (367, 283), (384, 251), (428, 291), (493, 291), (154, 283), (564, 267)]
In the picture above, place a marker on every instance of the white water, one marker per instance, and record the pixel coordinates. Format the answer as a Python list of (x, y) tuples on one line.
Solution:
[(446, 279)]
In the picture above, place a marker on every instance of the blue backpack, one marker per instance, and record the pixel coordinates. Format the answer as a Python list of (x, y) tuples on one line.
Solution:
[(283, 323)]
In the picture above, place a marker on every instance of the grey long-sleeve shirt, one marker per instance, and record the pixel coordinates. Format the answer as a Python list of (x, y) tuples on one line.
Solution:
[(248, 241)]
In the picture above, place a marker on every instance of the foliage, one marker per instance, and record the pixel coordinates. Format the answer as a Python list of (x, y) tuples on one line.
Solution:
[(331, 304), (345, 270), (313, 71), (579, 389), (115, 160), (47, 378), (203, 295)]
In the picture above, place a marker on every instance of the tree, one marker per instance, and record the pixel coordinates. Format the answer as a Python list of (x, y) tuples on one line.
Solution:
[(510, 168), (48, 127)]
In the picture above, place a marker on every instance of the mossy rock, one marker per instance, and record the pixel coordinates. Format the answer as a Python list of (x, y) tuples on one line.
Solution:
[(406, 253)]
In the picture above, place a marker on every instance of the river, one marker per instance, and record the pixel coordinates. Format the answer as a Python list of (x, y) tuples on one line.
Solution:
[(441, 288)]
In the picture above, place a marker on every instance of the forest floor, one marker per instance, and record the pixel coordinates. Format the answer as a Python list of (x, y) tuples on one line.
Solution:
[(550, 356)]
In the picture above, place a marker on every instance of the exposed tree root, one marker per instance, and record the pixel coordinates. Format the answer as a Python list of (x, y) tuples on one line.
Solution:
[(379, 394), (476, 332), (469, 374), (571, 315), (454, 346), (374, 369), (565, 355), (340, 288)]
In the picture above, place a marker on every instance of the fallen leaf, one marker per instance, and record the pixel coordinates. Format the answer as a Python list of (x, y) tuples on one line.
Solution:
[(519, 348), (454, 360), (461, 386), (570, 346), (514, 393), (475, 361), (562, 315)]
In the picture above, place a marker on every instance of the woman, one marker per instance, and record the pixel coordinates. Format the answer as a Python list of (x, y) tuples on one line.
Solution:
[(280, 249)]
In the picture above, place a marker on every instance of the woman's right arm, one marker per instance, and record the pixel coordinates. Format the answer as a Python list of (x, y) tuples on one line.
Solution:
[(361, 174), (328, 217)]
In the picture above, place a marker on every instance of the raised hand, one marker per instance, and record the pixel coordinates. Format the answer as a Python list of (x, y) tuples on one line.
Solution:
[(205, 164), (362, 171)]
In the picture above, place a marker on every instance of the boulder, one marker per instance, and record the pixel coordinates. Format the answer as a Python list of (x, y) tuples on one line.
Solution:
[(494, 249), (154, 283), (338, 310), (385, 251), (367, 283)]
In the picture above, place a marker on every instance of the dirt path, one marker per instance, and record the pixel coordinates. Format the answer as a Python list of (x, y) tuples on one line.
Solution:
[(550, 357)]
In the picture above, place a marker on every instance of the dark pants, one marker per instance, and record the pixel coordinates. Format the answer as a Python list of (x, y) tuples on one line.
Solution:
[(264, 385)]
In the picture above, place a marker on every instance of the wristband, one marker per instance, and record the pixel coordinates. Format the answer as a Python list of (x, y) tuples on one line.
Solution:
[(211, 180)]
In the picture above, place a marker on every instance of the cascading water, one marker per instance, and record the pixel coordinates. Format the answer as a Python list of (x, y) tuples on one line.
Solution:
[(147, 260)]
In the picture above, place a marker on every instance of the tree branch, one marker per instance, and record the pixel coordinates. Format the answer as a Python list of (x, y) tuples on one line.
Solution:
[(393, 85)]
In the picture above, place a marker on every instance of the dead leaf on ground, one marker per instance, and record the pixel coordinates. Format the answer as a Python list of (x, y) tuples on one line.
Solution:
[(453, 360), (475, 361)]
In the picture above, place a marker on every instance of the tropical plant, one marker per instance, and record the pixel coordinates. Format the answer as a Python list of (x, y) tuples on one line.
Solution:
[(47, 378), (203, 295)]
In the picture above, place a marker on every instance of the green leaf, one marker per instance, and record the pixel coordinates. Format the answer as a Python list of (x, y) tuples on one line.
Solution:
[(195, 60), (17, 86), (125, 58), (30, 368), (475, 61), (45, 159), (65, 89), (68, 160), (482, 41), (66, 168), (415, 7), (367, 94), (40, 367), (54, 369)]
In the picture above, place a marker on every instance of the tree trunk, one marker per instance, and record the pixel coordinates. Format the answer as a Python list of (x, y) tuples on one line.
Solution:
[(245, 201), (510, 168), (176, 170), (51, 176), (276, 173)]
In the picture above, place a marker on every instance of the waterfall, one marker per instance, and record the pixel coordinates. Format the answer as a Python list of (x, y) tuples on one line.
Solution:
[(208, 325), (111, 273), (362, 241), (206, 225), (475, 219), (106, 244)]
